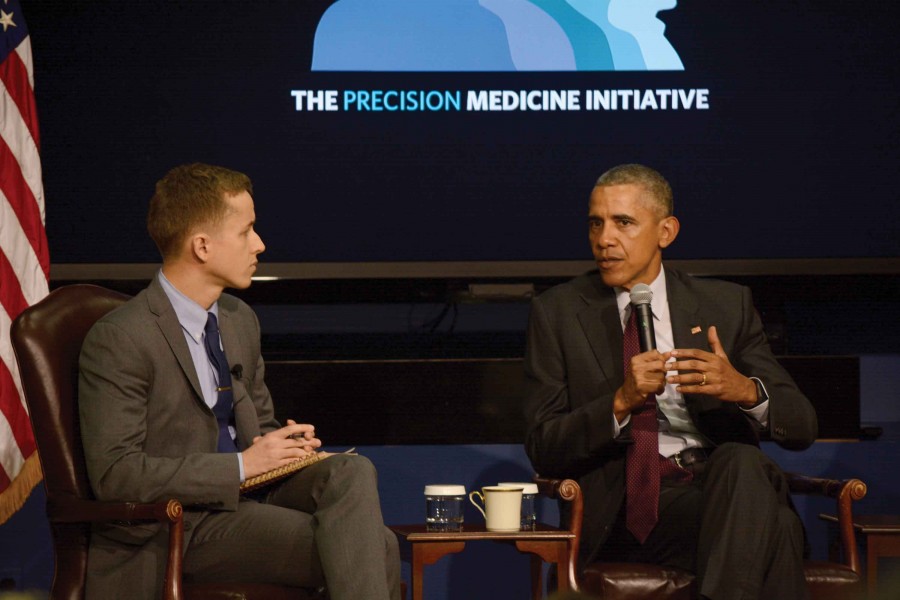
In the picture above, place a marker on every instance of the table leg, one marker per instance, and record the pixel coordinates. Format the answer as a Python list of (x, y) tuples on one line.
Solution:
[(871, 566), (551, 552), (563, 569), (415, 576), (877, 546), (537, 579), (428, 553)]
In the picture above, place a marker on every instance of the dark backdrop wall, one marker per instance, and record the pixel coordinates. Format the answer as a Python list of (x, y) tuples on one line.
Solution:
[(793, 154), (794, 158)]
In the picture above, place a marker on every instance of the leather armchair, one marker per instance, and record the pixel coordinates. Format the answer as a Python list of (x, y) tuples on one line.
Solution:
[(47, 339), (836, 579)]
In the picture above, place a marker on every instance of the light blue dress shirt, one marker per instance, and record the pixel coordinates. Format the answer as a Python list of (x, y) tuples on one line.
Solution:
[(192, 318)]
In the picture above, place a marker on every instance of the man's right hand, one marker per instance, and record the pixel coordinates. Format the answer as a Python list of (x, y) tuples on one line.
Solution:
[(278, 448), (644, 375)]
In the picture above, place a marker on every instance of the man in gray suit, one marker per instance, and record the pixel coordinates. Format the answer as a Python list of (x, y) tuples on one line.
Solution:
[(160, 420), (720, 507)]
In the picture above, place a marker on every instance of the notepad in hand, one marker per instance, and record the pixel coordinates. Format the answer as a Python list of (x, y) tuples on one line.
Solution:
[(279, 473)]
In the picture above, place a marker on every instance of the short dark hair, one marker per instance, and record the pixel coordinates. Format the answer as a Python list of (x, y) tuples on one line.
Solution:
[(187, 197), (647, 178)]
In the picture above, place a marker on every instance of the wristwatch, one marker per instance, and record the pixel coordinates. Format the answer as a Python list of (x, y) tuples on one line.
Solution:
[(761, 395)]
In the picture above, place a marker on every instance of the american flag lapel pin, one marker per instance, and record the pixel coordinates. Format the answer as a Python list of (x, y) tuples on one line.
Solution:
[(696, 329)]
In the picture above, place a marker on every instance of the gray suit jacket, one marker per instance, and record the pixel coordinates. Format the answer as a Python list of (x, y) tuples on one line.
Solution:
[(149, 436), (573, 367)]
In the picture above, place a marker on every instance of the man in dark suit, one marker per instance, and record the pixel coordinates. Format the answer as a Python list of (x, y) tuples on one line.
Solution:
[(722, 509), (165, 414)]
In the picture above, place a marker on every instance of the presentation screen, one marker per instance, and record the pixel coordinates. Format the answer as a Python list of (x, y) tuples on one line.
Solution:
[(472, 131)]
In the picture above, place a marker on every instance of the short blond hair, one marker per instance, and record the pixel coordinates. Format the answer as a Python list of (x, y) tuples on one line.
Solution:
[(188, 197)]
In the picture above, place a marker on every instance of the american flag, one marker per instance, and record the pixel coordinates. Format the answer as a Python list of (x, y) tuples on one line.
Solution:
[(24, 258)]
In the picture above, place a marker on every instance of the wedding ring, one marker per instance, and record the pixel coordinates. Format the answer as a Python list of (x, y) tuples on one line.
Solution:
[(703, 382)]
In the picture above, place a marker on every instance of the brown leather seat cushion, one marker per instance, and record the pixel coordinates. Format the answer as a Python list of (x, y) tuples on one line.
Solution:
[(635, 581), (632, 581), (832, 581)]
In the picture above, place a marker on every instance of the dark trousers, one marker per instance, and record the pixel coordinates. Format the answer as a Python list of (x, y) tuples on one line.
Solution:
[(323, 525), (734, 526)]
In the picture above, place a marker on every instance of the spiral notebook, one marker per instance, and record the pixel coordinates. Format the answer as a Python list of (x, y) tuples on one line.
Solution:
[(280, 473)]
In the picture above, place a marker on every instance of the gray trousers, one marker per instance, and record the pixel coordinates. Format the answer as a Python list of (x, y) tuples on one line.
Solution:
[(321, 526), (735, 528)]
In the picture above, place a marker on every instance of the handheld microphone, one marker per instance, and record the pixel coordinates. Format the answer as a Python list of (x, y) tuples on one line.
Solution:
[(237, 370), (640, 295)]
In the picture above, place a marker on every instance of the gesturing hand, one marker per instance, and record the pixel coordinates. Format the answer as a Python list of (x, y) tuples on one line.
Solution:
[(710, 374), (279, 447), (644, 375)]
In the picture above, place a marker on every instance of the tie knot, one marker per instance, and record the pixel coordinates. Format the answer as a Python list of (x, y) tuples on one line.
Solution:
[(631, 346), (631, 321), (212, 325)]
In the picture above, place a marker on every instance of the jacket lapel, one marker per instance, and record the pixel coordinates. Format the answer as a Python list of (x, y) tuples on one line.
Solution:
[(159, 305), (689, 328), (230, 342), (247, 428), (599, 319)]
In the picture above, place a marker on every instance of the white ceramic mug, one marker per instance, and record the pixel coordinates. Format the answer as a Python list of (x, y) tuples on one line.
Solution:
[(502, 507), (529, 494)]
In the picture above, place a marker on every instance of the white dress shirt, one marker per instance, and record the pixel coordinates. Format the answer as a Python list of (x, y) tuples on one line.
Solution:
[(676, 429)]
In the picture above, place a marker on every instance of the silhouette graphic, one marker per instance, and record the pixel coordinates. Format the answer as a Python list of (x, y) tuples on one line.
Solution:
[(494, 35), (410, 35), (638, 17), (536, 41), (588, 41), (626, 53)]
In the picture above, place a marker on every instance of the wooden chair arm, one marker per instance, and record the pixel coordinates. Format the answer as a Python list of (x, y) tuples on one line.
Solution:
[(78, 510), (844, 492), (567, 490), (831, 488)]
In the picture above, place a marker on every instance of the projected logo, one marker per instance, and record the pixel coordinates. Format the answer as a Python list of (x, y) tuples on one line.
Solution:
[(494, 35)]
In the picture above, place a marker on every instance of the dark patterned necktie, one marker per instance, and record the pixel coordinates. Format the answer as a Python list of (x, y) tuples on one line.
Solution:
[(642, 457), (643, 464), (223, 408)]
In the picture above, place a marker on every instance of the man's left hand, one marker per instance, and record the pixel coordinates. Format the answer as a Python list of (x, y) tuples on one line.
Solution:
[(711, 374)]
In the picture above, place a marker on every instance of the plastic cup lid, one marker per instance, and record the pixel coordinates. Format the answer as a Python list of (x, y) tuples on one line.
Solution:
[(527, 488), (445, 490)]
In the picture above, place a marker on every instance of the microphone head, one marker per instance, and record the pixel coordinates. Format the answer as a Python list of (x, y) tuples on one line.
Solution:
[(641, 294)]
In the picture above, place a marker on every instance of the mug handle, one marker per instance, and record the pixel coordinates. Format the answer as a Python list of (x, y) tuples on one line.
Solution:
[(475, 504)]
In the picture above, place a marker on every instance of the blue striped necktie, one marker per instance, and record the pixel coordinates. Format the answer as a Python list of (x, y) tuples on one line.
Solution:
[(223, 408)]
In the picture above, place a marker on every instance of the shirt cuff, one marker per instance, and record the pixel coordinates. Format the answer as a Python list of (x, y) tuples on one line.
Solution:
[(618, 427), (241, 466), (760, 412)]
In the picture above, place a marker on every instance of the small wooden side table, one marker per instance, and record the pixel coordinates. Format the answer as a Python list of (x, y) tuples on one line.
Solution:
[(544, 544), (882, 539)]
